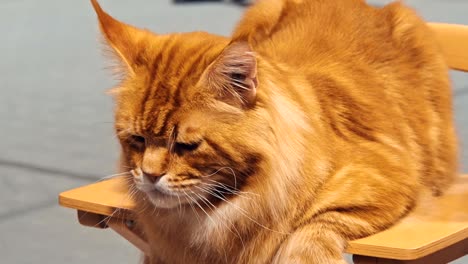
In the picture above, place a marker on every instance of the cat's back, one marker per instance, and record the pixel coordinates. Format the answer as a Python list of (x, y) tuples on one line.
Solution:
[(378, 75), (310, 32)]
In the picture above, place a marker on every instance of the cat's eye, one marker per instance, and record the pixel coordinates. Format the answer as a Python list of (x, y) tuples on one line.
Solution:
[(181, 147), (137, 142)]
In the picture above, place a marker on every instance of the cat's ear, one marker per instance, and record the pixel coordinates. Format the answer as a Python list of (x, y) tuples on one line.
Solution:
[(125, 40), (233, 74)]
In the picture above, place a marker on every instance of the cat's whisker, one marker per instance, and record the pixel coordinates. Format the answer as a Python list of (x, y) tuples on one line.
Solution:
[(214, 173), (213, 209), (219, 188), (224, 186), (209, 191), (224, 190), (113, 175), (128, 195), (232, 189), (203, 199), (193, 209), (106, 219), (222, 168), (154, 210), (133, 191), (221, 197), (179, 205), (234, 176), (201, 207), (239, 209), (242, 211)]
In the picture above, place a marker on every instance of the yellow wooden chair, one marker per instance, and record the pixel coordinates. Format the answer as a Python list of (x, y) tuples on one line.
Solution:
[(435, 233)]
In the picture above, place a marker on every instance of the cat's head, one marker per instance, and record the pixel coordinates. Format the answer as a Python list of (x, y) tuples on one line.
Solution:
[(187, 112)]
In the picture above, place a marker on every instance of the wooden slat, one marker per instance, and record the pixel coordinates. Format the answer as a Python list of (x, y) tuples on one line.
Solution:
[(110, 197), (436, 224), (443, 256), (92, 219), (453, 40), (131, 233)]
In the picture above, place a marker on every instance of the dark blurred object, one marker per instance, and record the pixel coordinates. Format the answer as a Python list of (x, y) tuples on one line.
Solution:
[(238, 2), (194, 1)]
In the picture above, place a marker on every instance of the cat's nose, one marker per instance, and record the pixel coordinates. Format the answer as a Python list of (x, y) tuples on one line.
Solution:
[(153, 177)]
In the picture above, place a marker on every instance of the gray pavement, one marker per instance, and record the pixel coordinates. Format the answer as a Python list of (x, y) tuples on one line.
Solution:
[(56, 121)]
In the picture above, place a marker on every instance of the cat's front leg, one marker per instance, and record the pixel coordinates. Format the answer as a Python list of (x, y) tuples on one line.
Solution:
[(312, 245), (357, 201)]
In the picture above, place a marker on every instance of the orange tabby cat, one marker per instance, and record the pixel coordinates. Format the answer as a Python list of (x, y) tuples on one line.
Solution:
[(317, 122)]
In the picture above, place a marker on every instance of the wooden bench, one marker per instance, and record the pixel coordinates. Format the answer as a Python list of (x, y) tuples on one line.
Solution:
[(435, 233)]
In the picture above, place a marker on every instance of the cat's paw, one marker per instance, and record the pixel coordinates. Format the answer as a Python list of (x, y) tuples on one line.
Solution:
[(323, 247), (315, 261)]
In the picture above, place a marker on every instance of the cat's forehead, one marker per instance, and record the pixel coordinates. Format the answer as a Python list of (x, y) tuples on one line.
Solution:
[(158, 96), (175, 62), (182, 55), (164, 121)]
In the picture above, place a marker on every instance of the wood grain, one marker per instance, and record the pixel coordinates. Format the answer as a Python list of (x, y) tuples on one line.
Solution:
[(110, 197), (443, 256), (435, 224), (453, 40)]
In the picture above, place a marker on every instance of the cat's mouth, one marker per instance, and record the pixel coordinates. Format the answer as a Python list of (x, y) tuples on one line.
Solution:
[(166, 194)]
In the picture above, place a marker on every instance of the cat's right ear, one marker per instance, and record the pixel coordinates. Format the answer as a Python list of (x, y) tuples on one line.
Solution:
[(233, 75), (125, 40)]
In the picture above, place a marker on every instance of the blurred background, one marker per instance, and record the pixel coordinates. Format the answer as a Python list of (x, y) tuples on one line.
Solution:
[(56, 122)]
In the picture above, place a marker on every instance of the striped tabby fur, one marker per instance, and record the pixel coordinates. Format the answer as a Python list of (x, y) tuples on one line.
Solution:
[(317, 122)]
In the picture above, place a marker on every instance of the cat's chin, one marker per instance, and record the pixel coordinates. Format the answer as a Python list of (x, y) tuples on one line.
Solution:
[(161, 200)]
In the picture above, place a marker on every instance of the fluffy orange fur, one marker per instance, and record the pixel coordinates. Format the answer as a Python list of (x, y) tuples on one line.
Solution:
[(317, 122)]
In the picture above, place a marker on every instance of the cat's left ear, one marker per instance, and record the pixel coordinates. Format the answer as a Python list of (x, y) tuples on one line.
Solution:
[(233, 75), (127, 42)]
